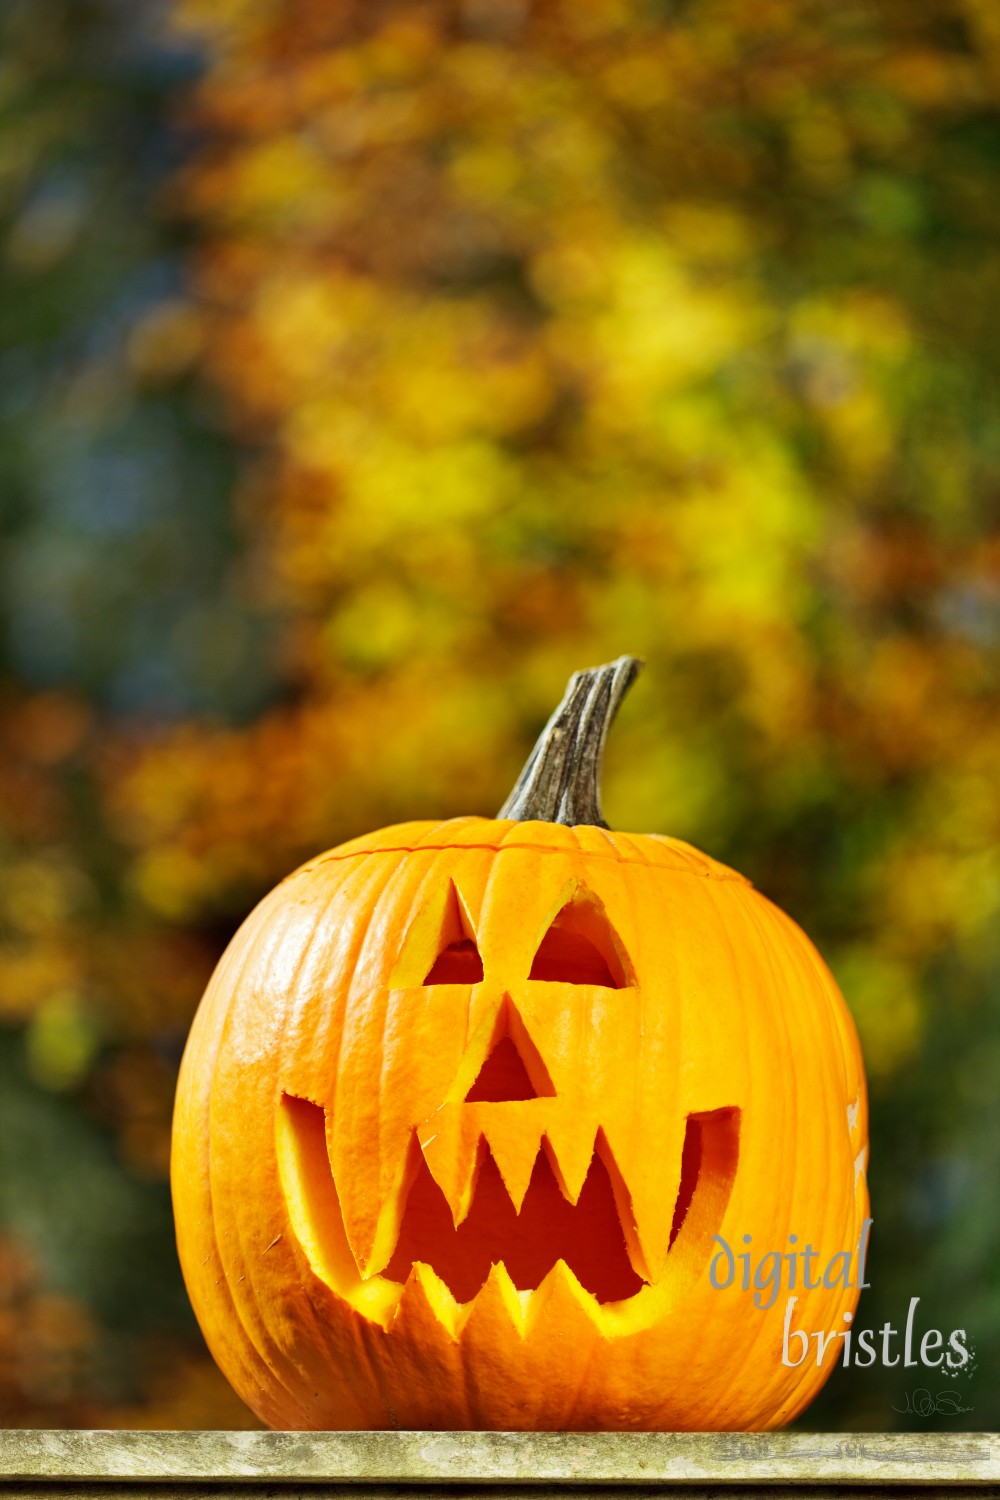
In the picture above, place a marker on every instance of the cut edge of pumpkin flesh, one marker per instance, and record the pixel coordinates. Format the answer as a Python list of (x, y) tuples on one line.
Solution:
[(518, 1259)]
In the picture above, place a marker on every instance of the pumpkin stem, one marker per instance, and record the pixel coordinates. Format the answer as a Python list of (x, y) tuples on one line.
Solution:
[(560, 782)]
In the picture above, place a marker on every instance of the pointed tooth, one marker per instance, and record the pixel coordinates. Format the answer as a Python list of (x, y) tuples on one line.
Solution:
[(496, 1306), (498, 1389), (368, 1184), (563, 1315), (514, 1136), (451, 1140), (540, 1397), (451, 1143), (646, 1184), (427, 1302), (562, 1300), (570, 1152), (425, 1357), (372, 1227)]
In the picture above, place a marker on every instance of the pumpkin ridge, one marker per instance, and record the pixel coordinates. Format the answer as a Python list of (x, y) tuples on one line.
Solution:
[(718, 871), (246, 1307), (198, 1045)]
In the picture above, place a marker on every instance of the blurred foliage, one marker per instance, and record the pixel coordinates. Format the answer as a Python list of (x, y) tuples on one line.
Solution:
[(116, 550), (361, 387)]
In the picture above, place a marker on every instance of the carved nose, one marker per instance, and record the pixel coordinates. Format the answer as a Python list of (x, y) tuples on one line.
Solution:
[(513, 1070), (502, 1076)]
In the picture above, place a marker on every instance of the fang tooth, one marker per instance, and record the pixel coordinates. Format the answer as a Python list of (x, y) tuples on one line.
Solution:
[(644, 1197), (498, 1300), (390, 1218), (570, 1155), (426, 1293), (515, 1153), (453, 1138), (452, 1148)]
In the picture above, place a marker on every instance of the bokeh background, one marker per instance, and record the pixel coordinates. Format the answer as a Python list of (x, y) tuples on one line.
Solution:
[(368, 367)]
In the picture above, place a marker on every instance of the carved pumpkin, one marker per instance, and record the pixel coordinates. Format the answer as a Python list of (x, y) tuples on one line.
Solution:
[(465, 1104)]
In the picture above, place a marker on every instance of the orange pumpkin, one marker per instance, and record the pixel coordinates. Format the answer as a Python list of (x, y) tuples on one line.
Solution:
[(465, 1104)]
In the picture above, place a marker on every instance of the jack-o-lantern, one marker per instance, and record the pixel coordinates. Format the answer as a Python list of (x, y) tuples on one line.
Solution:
[(469, 1108)]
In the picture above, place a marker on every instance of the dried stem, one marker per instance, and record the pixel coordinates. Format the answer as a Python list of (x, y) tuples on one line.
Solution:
[(560, 782)]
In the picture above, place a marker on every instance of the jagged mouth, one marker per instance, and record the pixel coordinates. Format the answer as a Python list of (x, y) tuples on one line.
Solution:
[(590, 1236), (587, 1235)]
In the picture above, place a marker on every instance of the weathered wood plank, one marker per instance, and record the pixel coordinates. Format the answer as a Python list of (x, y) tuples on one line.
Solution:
[(377, 1462), (291, 1490)]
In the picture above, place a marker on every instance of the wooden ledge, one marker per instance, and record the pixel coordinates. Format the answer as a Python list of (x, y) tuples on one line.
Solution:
[(434, 1463)]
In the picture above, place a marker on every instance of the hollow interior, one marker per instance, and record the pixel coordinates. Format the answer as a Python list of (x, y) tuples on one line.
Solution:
[(586, 1235), (459, 963)]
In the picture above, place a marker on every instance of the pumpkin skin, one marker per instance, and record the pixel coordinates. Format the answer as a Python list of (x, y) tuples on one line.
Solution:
[(713, 1087)]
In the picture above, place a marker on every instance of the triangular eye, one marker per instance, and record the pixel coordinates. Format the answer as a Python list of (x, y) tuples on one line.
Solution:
[(581, 947), (440, 944), (459, 963)]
